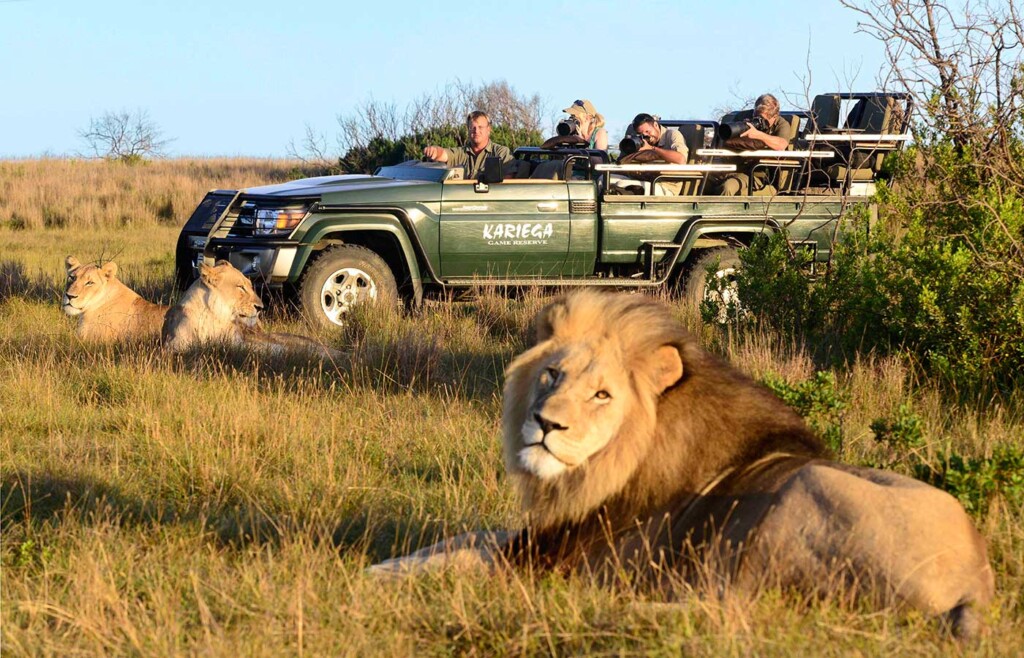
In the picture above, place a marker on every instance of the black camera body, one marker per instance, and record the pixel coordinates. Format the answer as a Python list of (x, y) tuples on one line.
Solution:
[(631, 144), (731, 129), (566, 127)]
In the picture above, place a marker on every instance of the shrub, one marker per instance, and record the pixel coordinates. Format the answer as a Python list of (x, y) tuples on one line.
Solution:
[(974, 481), (819, 400), (941, 277)]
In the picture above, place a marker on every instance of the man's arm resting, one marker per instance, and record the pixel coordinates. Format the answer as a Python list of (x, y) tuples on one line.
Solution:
[(436, 153), (669, 155)]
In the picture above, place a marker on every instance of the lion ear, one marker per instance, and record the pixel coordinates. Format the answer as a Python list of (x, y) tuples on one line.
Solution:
[(667, 367), (548, 320), (71, 264), (109, 270)]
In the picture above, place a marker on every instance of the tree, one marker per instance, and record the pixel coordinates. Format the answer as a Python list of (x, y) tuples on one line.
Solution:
[(125, 136), (963, 67), (378, 133)]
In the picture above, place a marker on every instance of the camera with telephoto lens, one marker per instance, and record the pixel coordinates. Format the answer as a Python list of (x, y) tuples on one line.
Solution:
[(731, 129), (630, 144), (566, 127)]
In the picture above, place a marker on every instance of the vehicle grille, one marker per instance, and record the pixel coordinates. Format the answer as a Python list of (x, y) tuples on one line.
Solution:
[(583, 206)]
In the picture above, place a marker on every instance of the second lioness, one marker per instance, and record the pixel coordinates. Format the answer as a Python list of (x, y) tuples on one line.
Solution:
[(221, 306), (106, 309)]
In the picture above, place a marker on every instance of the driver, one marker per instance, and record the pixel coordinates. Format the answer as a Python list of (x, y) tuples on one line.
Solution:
[(472, 155)]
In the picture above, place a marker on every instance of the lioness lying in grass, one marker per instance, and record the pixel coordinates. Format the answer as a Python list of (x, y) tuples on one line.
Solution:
[(221, 306), (107, 309)]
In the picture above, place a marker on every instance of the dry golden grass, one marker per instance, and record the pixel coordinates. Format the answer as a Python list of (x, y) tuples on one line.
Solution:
[(78, 193), (227, 504)]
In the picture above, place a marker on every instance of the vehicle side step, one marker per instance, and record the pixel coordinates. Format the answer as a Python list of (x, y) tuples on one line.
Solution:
[(621, 282)]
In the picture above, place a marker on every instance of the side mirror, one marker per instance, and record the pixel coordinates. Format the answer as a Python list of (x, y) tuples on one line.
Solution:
[(491, 173)]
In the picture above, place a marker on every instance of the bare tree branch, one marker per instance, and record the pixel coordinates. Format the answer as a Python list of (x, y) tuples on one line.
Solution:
[(124, 135)]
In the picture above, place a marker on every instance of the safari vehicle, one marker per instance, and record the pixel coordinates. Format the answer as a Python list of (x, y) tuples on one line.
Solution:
[(559, 217)]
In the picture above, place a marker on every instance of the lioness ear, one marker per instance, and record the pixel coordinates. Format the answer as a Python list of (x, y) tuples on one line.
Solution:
[(109, 270), (209, 275), (71, 264), (667, 367)]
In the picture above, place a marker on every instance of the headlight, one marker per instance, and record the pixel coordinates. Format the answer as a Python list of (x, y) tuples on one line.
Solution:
[(276, 221)]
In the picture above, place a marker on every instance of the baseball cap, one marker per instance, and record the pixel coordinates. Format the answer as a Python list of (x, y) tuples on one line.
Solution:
[(584, 107)]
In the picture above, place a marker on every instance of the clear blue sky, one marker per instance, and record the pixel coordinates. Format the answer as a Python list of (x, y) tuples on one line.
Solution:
[(243, 77)]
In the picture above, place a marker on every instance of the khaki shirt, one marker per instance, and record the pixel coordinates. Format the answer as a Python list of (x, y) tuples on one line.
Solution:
[(782, 128), (672, 140), (474, 162)]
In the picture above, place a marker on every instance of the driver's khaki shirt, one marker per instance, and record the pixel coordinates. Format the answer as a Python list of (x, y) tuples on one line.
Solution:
[(474, 162)]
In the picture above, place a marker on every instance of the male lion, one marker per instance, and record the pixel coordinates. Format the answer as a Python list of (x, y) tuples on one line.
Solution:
[(221, 306), (106, 308), (637, 453)]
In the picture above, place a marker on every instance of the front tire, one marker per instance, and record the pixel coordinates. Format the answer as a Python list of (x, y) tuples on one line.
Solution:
[(342, 277), (711, 285)]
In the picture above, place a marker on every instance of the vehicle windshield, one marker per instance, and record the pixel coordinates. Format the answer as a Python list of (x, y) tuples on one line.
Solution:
[(433, 172)]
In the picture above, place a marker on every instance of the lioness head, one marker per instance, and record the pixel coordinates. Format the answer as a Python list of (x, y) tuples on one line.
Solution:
[(230, 293), (580, 405), (86, 285)]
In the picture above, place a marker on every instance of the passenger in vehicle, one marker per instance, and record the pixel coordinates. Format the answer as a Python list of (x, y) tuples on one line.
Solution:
[(665, 143), (772, 133), (659, 144), (590, 124), (472, 155)]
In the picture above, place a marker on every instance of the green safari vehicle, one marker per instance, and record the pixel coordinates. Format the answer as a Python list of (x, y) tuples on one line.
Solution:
[(557, 217)]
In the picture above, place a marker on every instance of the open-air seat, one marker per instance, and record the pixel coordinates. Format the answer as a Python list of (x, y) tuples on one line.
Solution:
[(692, 176)]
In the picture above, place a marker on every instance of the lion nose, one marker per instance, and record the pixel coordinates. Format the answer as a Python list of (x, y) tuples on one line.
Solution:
[(68, 296), (546, 425)]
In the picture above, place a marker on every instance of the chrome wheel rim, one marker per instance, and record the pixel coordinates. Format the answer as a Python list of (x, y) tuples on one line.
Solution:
[(724, 295), (343, 289)]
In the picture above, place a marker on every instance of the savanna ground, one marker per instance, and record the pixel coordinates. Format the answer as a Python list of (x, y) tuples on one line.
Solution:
[(228, 504)]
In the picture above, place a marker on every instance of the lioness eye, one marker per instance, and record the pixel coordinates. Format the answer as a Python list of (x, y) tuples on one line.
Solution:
[(88, 283), (602, 395)]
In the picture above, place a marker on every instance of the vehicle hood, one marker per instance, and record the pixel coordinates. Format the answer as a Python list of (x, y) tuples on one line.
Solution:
[(331, 185)]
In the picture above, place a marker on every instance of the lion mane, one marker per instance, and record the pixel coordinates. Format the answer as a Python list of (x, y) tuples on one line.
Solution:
[(635, 452), (221, 306), (106, 308)]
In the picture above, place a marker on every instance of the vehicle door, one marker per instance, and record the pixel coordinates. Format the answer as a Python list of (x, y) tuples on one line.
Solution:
[(517, 228)]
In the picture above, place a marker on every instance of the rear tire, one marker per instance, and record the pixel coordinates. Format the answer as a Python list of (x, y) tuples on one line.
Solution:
[(342, 277), (721, 301)]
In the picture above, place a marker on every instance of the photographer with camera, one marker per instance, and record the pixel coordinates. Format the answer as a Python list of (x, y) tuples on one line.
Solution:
[(652, 142), (766, 130), (472, 155), (585, 121), (657, 142)]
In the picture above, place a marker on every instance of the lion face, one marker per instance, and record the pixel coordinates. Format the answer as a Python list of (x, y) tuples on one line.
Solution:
[(586, 393), (231, 293), (579, 400), (86, 285)]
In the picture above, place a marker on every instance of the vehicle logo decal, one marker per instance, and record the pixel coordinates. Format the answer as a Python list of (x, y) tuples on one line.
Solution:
[(525, 233)]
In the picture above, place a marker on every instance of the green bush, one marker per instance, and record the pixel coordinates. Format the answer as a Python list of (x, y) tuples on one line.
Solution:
[(819, 400), (940, 277), (974, 481)]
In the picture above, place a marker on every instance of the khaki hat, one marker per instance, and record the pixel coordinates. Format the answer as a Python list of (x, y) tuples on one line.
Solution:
[(583, 108)]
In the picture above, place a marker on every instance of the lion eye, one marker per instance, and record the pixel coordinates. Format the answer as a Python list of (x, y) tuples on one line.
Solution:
[(603, 395), (89, 283)]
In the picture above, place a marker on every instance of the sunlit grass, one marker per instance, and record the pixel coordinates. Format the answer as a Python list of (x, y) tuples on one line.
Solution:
[(227, 504)]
